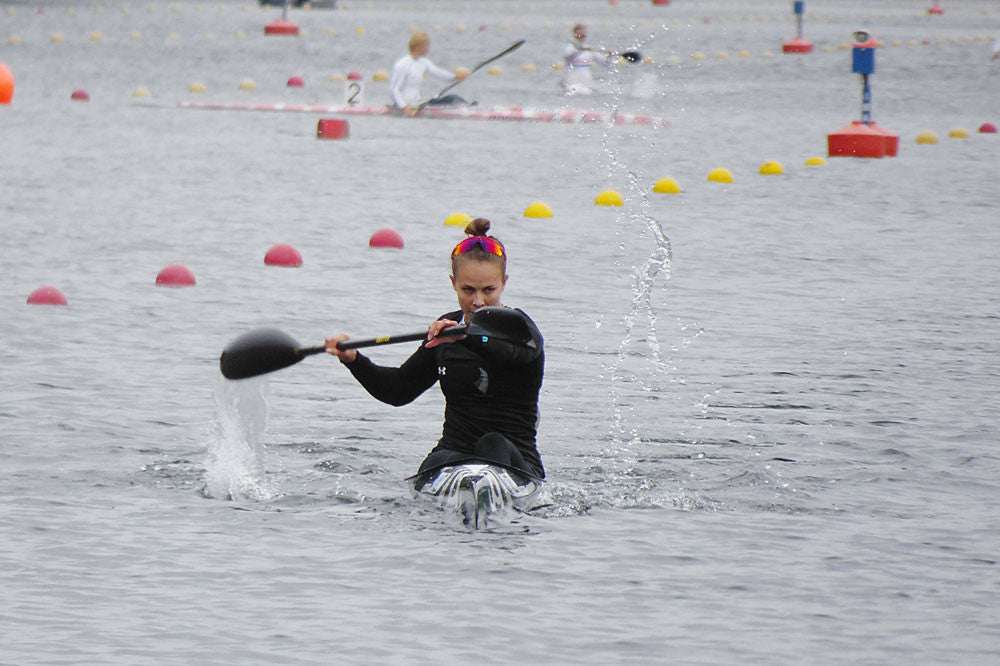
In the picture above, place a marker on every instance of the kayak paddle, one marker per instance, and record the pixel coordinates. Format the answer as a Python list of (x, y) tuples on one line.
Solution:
[(510, 49), (264, 350)]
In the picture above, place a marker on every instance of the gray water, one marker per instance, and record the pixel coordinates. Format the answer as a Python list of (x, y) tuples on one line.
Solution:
[(769, 417)]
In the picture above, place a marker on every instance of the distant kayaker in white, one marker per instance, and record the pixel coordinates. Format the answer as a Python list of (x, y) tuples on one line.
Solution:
[(578, 61), (409, 71)]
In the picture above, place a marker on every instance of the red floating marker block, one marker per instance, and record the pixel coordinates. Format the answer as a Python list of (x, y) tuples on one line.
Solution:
[(281, 27), (332, 128), (354, 76), (988, 128), (860, 140), (175, 275), (296, 82), (46, 296), (385, 238), (283, 255), (661, 2), (936, 9), (80, 96), (797, 45)]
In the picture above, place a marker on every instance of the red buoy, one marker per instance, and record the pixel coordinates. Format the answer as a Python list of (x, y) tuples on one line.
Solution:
[(46, 296), (281, 27), (860, 140), (354, 76), (80, 96), (332, 128), (797, 45), (283, 255), (386, 238), (988, 128), (661, 2), (175, 275), (6, 84), (936, 9), (296, 82)]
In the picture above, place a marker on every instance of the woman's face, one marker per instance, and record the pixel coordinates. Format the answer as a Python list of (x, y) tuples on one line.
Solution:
[(421, 49), (478, 284)]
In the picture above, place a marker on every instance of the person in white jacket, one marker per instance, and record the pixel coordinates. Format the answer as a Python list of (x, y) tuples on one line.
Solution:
[(409, 71), (578, 61)]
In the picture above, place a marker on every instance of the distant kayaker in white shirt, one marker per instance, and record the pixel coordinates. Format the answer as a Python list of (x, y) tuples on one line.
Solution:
[(409, 72), (578, 61)]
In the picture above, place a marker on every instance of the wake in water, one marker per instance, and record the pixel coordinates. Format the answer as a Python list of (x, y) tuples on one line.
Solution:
[(234, 469)]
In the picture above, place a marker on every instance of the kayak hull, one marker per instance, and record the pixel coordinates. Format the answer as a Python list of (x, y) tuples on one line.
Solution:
[(480, 494)]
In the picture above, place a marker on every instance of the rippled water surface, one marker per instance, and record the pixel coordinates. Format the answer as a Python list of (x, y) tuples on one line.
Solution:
[(769, 413)]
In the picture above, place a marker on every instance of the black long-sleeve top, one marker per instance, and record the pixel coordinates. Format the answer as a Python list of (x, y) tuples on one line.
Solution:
[(489, 385)]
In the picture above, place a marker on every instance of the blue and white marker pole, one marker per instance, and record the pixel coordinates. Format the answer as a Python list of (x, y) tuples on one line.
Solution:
[(863, 63)]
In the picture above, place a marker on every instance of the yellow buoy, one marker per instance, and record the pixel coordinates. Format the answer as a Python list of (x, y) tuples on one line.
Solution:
[(557, 66), (135, 36), (141, 92), (380, 76), (666, 186), (609, 198), (240, 34), (197, 88), (815, 161), (721, 55), (56, 38), (248, 84), (336, 78), (771, 168), (528, 68), (331, 31), (359, 31), (457, 220), (927, 136), (648, 60), (462, 70), (538, 209), (14, 40), (95, 37), (495, 69), (744, 54), (959, 133), (720, 175), (697, 56)]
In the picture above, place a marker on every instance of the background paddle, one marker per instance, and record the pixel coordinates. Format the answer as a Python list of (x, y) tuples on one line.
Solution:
[(510, 49), (264, 350)]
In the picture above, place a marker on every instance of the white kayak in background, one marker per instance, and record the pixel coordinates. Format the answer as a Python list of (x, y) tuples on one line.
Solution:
[(481, 494)]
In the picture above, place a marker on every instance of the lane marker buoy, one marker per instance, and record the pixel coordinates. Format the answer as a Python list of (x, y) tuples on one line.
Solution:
[(46, 296), (175, 275), (386, 238), (538, 209), (283, 255)]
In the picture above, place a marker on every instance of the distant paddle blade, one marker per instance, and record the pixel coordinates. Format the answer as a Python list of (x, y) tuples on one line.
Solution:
[(258, 352), (500, 322)]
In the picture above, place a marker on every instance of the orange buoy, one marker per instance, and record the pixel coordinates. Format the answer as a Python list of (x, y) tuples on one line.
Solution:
[(175, 275), (80, 95), (296, 82), (46, 296), (386, 238), (283, 255), (281, 27), (332, 128), (6, 84), (797, 45)]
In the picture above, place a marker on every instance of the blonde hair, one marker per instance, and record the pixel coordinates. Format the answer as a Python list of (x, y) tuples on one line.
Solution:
[(417, 38)]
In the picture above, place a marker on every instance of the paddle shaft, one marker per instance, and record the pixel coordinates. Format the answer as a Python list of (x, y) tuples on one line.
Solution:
[(513, 47), (384, 340)]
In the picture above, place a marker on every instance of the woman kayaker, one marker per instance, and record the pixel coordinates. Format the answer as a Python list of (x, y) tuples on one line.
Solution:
[(410, 70), (490, 386)]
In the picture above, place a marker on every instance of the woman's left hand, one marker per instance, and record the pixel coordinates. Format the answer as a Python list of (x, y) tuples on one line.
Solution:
[(434, 330)]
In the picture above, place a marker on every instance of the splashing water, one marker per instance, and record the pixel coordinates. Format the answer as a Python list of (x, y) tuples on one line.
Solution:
[(235, 468)]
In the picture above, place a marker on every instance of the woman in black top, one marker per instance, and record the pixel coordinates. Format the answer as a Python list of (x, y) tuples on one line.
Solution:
[(490, 386)]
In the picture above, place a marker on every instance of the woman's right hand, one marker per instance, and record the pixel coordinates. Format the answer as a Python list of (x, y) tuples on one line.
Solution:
[(345, 356)]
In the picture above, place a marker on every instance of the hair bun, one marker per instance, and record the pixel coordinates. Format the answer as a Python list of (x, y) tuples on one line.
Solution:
[(478, 227)]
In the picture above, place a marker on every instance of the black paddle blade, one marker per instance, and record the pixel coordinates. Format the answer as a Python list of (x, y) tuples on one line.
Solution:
[(632, 56), (500, 322), (258, 352)]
